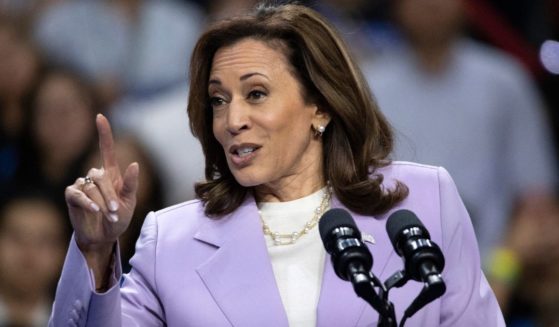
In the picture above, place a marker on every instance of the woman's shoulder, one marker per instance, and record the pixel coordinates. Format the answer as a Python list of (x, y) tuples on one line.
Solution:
[(185, 217), (432, 195), (427, 186), (413, 174), (195, 206)]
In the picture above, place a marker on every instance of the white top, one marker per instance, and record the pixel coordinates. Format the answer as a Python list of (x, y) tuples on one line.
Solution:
[(297, 267)]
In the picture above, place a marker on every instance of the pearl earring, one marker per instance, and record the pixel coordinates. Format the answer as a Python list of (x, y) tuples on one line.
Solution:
[(319, 130)]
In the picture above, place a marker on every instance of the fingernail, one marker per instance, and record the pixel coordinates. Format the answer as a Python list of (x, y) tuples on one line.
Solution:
[(95, 207), (113, 217), (113, 205)]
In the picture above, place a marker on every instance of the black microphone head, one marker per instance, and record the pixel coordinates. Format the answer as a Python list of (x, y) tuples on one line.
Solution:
[(332, 219), (401, 220), (412, 241), (342, 240)]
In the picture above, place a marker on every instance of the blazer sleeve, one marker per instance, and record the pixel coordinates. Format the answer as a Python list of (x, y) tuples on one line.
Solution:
[(135, 303), (469, 300)]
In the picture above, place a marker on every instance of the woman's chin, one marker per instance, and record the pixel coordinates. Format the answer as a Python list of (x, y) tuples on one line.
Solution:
[(246, 180)]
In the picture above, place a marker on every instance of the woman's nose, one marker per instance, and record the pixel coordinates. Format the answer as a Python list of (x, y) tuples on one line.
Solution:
[(238, 117)]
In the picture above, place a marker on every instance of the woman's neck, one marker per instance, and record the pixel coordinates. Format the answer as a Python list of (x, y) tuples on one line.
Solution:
[(288, 190), (433, 57)]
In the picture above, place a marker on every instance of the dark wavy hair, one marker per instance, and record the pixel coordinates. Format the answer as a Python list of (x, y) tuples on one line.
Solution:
[(358, 138)]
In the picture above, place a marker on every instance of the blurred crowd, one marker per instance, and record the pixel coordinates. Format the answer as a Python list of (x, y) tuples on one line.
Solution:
[(460, 81)]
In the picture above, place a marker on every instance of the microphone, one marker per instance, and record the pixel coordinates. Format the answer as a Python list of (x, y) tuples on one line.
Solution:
[(411, 240), (353, 261), (423, 259), (342, 240)]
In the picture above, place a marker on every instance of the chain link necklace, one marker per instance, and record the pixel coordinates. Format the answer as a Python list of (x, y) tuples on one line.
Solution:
[(291, 238)]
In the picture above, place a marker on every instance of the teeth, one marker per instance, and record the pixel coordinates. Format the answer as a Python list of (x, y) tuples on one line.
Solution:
[(244, 151)]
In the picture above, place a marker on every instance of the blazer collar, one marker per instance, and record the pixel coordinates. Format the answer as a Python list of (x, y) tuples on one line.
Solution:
[(241, 279), (239, 275)]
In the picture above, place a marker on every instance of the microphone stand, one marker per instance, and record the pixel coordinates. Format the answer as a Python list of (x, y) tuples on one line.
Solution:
[(364, 285), (433, 288)]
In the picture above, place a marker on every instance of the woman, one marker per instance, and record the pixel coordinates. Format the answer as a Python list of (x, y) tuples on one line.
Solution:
[(58, 136), (288, 130), (33, 240), (19, 68)]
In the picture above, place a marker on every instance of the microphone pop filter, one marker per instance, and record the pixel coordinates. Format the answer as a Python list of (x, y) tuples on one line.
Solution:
[(401, 220), (332, 219)]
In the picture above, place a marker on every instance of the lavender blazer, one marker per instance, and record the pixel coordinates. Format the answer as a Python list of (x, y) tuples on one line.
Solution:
[(189, 270)]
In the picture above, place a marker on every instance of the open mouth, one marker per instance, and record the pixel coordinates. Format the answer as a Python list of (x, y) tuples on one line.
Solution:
[(243, 154), (244, 151)]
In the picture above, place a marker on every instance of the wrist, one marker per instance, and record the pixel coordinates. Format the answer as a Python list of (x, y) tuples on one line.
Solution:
[(100, 260), (94, 250), (97, 252)]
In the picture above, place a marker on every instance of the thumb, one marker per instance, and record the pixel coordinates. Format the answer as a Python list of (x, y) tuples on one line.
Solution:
[(130, 181)]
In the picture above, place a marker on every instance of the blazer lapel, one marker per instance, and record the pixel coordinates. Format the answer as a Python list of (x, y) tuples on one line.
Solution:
[(338, 304), (239, 275)]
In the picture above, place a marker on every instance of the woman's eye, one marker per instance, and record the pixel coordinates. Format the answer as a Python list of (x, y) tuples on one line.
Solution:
[(256, 95), (216, 101)]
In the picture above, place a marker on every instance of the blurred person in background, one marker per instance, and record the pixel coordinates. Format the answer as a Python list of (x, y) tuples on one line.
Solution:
[(90, 38), (221, 9), (524, 271), (363, 23), (150, 195), (164, 33), (533, 288), (58, 137), (136, 53), (32, 245), (474, 110), (468, 107), (160, 123), (126, 47), (19, 67), (24, 12)]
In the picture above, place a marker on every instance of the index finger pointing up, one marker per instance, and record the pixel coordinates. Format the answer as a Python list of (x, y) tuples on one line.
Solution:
[(106, 143)]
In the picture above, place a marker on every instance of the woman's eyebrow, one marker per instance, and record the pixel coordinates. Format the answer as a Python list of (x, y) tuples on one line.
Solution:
[(214, 81), (242, 78), (249, 75)]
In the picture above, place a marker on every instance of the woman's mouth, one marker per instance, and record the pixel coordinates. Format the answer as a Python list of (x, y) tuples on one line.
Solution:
[(242, 155), (243, 152)]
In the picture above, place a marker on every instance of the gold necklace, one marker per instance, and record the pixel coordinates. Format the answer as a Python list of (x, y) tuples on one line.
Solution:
[(286, 239)]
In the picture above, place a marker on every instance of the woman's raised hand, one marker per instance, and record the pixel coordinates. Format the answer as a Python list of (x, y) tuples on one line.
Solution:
[(101, 205)]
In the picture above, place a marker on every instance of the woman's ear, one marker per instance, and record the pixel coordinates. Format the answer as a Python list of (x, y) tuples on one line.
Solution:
[(320, 121), (321, 118)]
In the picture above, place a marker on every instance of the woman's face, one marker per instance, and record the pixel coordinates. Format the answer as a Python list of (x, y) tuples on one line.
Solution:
[(430, 21), (18, 66), (261, 119), (32, 246), (63, 118)]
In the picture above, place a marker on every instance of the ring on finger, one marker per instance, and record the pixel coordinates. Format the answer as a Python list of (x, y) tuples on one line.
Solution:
[(87, 180)]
